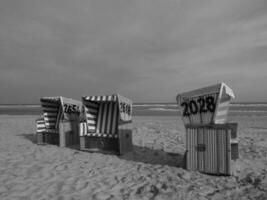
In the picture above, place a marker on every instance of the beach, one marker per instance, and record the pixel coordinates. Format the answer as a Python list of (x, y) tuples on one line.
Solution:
[(152, 171)]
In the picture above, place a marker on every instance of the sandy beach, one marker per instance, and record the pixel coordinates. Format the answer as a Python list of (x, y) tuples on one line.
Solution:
[(152, 171)]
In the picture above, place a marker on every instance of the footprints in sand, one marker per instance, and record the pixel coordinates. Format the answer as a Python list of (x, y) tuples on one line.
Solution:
[(31, 172)]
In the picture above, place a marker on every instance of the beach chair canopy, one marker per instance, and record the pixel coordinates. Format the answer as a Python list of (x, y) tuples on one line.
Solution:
[(59, 108), (221, 88), (105, 112), (206, 105)]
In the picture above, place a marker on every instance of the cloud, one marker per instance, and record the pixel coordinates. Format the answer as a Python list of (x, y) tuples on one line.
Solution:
[(147, 50)]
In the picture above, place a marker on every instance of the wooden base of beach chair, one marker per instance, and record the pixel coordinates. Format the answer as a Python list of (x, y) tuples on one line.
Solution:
[(125, 138), (40, 138), (212, 149), (119, 145), (47, 138), (99, 144), (69, 134)]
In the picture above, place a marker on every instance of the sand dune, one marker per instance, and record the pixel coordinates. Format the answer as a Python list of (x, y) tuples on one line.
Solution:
[(152, 171)]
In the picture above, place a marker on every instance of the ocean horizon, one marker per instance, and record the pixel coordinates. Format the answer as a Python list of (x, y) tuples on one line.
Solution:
[(144, 109)]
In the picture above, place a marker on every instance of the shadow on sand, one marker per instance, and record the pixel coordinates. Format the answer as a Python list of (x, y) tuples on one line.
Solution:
[(151, 156), (139, 154), (30, 136)]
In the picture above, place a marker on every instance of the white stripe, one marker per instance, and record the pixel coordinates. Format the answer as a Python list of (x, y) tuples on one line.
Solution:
[(91, 128), (83, 130), (40, 125), (89, 115), (102, 135), (101, 98), (91, 121), (40, 122), (50, 123)]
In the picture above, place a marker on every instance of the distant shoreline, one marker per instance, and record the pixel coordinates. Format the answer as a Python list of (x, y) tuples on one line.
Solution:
[(143, 109), (137, 104)]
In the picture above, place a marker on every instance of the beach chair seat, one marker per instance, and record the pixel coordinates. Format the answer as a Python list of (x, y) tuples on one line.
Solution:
[(107, 127)]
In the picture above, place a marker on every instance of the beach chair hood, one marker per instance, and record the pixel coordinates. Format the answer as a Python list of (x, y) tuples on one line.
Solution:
[(124, 104), (59, 108), (206, 105), (225, 92), (71, 108)]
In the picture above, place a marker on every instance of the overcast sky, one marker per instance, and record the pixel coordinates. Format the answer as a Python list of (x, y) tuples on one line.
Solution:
[(147, 50)]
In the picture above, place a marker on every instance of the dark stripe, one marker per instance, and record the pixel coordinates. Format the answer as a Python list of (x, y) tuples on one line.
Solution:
[(93, 111), (99, 119), (115, 118), (49, 101), (105, 121), (50, 108), (112, 105), (109, 111), (91, 104), (52, 105), (50, 111), (90, 124), (105, 118), (102, 124)]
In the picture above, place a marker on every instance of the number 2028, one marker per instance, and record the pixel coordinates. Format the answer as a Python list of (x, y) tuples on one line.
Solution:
[(201, 105)]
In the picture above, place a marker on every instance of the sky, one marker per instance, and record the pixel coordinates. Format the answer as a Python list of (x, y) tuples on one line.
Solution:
[(146, 50)]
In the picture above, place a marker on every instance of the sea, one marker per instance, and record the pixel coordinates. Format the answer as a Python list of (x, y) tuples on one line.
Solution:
[(145, 109)]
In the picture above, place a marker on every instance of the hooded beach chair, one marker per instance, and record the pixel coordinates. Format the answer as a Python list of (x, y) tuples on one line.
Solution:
[(60, 122), (108, 124), (211, 142)]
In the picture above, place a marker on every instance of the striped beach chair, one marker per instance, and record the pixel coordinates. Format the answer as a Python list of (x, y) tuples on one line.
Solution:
[(107, 127), (211, 142), (208, 105), (60, 115)]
